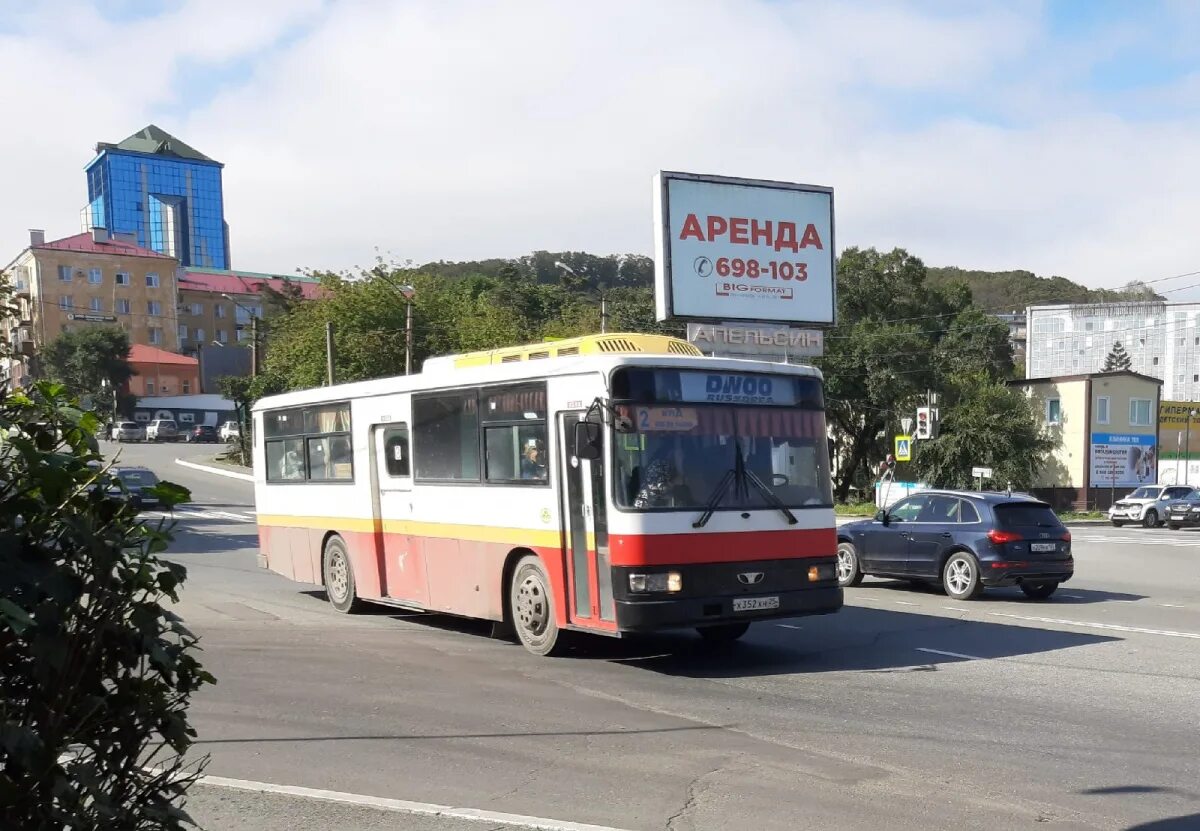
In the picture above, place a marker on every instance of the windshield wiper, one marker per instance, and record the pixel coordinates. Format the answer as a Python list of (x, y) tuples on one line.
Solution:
[(770, 497), (740, 476), (735, 474)]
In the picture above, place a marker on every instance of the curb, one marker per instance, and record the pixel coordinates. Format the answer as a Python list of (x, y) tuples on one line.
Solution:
[(232, 474)]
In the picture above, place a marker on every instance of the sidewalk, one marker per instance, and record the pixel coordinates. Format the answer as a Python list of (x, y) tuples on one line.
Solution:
[(220, 469)]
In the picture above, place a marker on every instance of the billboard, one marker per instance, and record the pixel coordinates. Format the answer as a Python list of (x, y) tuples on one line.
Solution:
[(1123, 460), (1179, 431), (743, 249)]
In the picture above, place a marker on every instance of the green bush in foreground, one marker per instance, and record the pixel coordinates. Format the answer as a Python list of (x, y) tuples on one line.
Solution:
[(95, 673)]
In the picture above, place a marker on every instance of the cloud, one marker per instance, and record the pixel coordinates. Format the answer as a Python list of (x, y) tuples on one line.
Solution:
[(459, 129)]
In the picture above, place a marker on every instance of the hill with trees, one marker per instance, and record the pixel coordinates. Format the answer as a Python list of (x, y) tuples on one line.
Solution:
[(1008, 291)]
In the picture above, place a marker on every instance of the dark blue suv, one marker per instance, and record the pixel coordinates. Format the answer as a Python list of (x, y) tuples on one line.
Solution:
[(963, 540)]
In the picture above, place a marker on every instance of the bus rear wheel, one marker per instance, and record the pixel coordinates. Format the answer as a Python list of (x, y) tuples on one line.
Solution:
[(533, 608), (339, 577), (723, 632)]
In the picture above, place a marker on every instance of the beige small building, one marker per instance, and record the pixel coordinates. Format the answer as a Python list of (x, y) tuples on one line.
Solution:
[(86, 280), (1105, 428)]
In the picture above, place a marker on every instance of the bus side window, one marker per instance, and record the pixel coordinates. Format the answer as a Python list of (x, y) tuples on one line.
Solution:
[(395, 448)]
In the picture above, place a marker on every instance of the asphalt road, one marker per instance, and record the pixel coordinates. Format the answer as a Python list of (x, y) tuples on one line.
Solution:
[(904, 711)]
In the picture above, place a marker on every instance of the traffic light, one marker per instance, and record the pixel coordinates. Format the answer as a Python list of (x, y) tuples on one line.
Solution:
[(924, 423)]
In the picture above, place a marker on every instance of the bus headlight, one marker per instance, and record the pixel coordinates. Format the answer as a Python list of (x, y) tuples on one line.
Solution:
[(670, 581)]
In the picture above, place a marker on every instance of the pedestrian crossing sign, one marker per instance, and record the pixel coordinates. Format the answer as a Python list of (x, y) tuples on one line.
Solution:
[(903, 448)]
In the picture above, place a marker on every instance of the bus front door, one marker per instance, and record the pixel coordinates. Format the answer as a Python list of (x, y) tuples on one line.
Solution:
[(585, 529)]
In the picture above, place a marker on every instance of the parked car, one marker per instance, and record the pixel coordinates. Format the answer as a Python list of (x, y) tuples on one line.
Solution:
[(1183, 511), (1147, 505), (964, 540), (128, 431), (201, 433), (230, 430), (162, 429)]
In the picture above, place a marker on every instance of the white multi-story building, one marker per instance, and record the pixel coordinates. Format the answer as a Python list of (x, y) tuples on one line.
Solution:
[(1162, 339)]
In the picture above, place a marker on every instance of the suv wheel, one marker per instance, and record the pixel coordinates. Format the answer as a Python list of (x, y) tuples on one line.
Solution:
[(960, 576), (849, 572), (1150, 519)]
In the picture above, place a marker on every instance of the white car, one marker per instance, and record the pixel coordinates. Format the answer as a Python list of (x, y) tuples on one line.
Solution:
[(162, 429), (1147, 505), (128, 431), (229, 431)]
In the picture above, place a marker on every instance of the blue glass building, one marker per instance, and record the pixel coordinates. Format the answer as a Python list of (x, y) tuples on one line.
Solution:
[(164, 192)]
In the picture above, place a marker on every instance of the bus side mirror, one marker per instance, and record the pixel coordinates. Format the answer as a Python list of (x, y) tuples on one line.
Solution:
[(587, 440)]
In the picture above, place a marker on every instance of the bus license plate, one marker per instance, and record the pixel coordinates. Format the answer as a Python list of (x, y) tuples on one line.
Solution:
[(1043, 546), (754, 604)]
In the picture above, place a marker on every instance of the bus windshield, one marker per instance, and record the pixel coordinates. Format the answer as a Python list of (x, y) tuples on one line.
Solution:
[(676, 457)]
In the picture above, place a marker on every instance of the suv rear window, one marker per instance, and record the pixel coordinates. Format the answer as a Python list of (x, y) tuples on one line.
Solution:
[(1026, 515)]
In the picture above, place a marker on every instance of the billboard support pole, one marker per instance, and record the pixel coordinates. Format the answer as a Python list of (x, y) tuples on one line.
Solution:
[(1187, 451)]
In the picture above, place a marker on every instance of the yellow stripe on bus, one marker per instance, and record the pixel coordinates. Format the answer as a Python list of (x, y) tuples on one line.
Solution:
[(544, 538)]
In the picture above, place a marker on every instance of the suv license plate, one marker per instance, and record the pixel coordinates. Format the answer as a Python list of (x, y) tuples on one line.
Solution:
[(754, 604), (1043, 546)]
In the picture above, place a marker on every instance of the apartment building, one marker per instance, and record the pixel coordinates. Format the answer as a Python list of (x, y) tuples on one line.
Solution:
[(216, 307), (89, 279), (1162, 339)]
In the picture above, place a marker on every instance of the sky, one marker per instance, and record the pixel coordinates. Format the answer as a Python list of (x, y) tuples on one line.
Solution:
[(1059, 137)]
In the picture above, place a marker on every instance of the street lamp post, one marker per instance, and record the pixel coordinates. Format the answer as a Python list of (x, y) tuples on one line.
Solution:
[(253, 334)]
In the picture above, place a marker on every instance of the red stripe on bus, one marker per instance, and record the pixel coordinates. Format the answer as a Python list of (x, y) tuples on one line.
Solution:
[(731, 547)]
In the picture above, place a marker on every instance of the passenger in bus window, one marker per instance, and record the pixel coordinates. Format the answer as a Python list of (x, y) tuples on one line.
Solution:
[(532, 464), (293, 466)]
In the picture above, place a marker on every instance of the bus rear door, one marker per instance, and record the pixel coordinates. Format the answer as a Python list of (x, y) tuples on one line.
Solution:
[(402, 571)]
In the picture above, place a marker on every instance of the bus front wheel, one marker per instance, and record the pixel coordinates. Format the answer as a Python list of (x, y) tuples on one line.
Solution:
[(339, 577), (533, 608)]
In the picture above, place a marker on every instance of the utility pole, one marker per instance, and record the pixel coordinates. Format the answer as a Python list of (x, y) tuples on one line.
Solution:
[(408, 338), (603, 314), (329, 352), (253, 346)]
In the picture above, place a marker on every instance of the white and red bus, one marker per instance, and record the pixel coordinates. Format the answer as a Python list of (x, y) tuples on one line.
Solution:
[(611, 484)]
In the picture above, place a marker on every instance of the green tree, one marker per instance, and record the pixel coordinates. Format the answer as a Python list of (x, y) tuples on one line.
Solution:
[(886, 353), (984, 423), (93, 364), (1117, 359), (96, 674)]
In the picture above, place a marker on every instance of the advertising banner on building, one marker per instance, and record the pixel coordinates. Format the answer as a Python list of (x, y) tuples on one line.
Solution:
[(1123, 460), (743, 249), (1178, 429)]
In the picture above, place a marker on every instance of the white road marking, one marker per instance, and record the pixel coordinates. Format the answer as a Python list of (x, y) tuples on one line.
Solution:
[(232, 474), (903, 603), (1170, 605), (787, 626), (955, 608), (949, 654), (403, 806), (1111, 626)]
